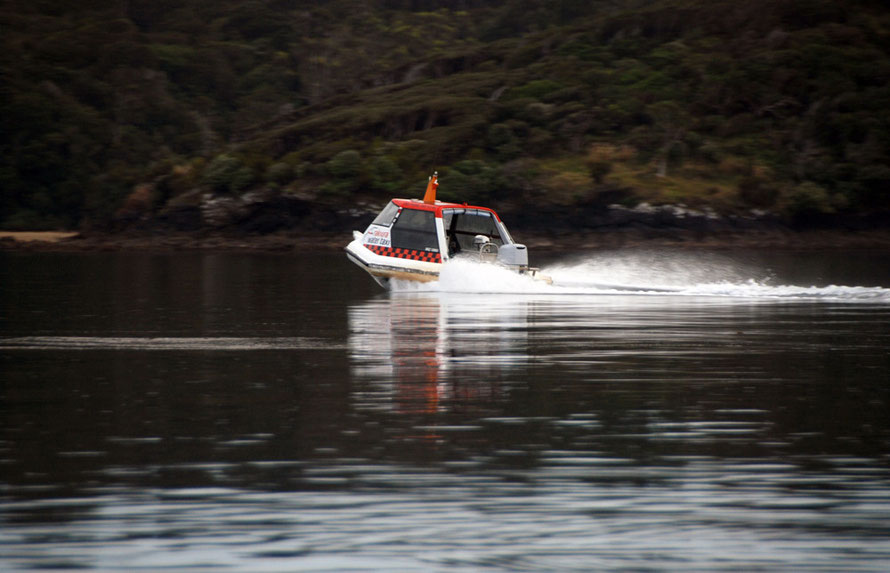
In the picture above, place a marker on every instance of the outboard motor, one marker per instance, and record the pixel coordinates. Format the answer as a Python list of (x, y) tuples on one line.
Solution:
[(514, 256)]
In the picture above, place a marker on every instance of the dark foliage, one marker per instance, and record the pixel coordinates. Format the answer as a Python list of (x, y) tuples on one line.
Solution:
[(779, 105)]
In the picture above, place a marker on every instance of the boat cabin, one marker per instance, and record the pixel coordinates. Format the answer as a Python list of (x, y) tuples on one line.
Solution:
[(408, 228)]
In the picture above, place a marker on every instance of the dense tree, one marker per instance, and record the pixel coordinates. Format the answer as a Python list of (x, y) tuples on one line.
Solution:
[(776, 104)]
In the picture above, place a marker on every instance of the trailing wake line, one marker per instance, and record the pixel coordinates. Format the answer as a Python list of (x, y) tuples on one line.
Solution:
[(159, 343), (477, 278)]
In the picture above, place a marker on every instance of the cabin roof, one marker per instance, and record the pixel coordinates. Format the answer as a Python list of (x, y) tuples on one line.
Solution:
[(438, 206)]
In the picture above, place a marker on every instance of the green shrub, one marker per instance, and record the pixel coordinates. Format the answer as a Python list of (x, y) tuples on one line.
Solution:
[(386, 175), (228, 174), (345, 172), (599, 169), (755, 192), (808, 198), (345, 165), (472, 181), (280, 173), (242, 178), (503, 142), (535, 89), (219, 173)]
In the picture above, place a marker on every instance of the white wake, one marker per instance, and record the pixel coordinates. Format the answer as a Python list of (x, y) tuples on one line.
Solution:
[(638, 275)]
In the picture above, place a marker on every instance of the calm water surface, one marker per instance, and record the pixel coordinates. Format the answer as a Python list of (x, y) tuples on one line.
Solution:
[(719, 411)]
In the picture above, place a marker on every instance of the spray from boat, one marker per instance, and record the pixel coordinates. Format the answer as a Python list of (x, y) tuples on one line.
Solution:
[(634, 274)]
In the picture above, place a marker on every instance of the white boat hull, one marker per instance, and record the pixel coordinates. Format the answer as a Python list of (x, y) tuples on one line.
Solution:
[(384, 269)]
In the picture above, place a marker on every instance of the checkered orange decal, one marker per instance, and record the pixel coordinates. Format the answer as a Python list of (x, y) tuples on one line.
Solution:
[(424, 256)]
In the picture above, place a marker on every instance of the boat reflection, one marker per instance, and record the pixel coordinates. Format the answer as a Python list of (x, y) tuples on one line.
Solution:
[(431, 352)]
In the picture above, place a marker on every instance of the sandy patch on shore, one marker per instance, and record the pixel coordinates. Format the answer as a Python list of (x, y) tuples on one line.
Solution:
[(40, 236)]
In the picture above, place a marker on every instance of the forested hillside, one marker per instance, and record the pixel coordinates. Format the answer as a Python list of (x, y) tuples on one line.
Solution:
[(121, 109)]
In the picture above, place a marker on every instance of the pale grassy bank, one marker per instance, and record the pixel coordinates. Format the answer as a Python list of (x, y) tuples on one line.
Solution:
[(38, 236)]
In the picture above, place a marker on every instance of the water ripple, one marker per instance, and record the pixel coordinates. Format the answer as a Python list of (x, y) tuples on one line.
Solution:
[(160, 343)]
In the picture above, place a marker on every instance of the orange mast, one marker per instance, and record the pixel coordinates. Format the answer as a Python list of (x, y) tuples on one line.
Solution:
[(430, 196)]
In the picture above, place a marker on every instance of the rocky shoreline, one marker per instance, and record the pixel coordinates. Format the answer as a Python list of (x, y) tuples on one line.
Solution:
[(282, 224)]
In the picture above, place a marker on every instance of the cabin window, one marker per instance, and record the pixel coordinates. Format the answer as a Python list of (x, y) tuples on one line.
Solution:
[(462, 225), (415, 230), (385, 217)]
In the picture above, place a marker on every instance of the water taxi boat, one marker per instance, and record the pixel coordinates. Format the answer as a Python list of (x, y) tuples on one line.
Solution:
[(410, 240)]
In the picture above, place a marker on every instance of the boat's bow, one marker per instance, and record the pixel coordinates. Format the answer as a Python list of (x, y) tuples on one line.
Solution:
[(386, 265)]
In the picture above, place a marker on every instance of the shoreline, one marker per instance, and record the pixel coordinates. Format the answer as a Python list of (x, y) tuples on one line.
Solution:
[(63, 241), (38, 236)]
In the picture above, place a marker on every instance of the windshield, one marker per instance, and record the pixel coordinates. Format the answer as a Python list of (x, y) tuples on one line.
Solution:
[(385, 217), (462, 225)]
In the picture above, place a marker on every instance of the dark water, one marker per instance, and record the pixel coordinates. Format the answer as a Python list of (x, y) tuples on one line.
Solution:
[(724, 411)]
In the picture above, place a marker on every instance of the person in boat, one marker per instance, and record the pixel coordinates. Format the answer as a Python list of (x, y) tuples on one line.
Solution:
[(453, 243)]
